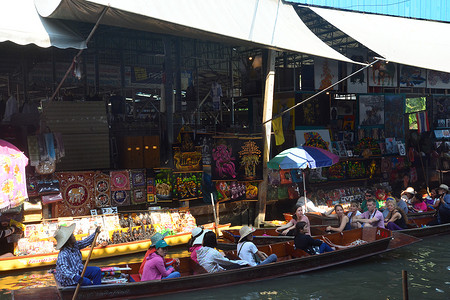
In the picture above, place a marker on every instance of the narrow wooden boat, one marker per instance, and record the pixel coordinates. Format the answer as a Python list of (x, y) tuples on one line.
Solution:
[(426, 231), (49, 259), (351, 246)]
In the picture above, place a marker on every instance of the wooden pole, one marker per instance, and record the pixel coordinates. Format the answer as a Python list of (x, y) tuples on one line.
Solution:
[(85, 266), (267, 131), (216, 222), (405, 285)]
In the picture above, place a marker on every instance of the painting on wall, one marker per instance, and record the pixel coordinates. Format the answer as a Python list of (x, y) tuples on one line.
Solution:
[(412, 76), (393, 116), (325, 73), (315, 137), (438, 80), (358, 82), (383, 74), (314, 112), (371, 110), (441, 110)]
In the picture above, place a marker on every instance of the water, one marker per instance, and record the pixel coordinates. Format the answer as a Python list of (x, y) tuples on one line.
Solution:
[(378, 277)]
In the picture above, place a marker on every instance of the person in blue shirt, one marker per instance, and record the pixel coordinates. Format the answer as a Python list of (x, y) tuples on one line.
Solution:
[(443, 216), (69, 265)]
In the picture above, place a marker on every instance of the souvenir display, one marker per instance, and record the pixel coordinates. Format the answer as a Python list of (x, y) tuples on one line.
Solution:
[(187, 156), (120, 198), (250, 162), (163, 184), (120, 180), (102, 190), (187, 185)]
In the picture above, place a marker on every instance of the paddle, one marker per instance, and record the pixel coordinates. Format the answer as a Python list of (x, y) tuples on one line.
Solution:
[(216, 222), (85, 265)]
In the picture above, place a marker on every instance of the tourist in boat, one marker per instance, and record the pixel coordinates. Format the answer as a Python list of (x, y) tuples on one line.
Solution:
[(417, 204), (212, 260), (408, 194), (6, 248), (246, 249), (306, 243), (368, 195), (69, 264), (154, 268), (298, 216), (195, 243), (432, 200), (343, 220), (397, 218), (443, 216), (372, 217), (151, 249)]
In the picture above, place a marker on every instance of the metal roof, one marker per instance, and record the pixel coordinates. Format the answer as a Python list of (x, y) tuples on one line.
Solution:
[(437, 10)]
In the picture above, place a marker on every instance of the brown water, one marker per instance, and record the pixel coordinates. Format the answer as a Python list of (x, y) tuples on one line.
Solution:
[(379, 277)]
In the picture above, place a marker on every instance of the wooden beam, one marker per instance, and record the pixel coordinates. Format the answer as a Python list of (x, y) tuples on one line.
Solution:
[(267, 131)]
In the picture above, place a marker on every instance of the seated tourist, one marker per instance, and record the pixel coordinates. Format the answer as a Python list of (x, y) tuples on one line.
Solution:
[(417, 204), (408, 194), (443, 216), (306, 242), (397, 218), (298, 216), (354, 210), (344, 223), (196, 241), (247, 251), (151, 249), (154, 267), (372, 217), (212, 260), (432, 200)]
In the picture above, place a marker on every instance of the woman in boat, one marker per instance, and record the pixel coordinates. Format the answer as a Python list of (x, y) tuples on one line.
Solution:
[(151, 249), (397, 218), (354, 210), (432, 200), (417, 204), (154, 268), (212, 260), (443, 216), (298, 216), (195, 243), (344, 221), (306, 242), (69, 264), (247, 251)]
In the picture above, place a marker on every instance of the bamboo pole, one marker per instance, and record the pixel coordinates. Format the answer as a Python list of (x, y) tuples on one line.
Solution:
[(405, 285)]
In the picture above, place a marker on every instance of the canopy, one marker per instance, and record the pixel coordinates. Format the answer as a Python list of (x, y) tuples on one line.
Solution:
[(21, 24), (268, 23), (419, 43)]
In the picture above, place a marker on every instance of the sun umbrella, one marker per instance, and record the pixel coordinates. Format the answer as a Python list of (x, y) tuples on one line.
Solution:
[(303, 157), (13, 188)]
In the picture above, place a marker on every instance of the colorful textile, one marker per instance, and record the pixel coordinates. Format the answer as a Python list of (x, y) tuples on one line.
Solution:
[(139, 195), (137, 178), (278, 130), (77, 189), (422, 122), (120, 198), (13, 187), (120, 180), (102, 191)]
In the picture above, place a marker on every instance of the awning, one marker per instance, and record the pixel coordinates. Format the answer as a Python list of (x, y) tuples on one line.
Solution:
[(21, 24), (268, 23), (412, 42)]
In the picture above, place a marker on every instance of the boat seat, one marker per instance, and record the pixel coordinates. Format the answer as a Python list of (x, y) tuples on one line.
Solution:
[(232, 254), (295, 253)]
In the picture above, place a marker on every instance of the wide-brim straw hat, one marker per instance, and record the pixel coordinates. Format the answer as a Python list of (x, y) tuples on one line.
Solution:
[(157, 237), (409, 190), (199, 234), (63, 234), (444, 187), (244, 231)]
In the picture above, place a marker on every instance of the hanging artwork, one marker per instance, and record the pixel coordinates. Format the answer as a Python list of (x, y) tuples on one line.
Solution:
[(102, 190), (163, 184), (139, 195), (438, 80), (371, 110), (316, 138), (383, 74), (77, 189), (120, 180), (187, 185), (356, 83), (394, 116), (120, 198), (205, 141), (224, 154), (314, 112), (325, 73), (441, 110), (137, 178), (187, 156), (412, 76), (250, 162)]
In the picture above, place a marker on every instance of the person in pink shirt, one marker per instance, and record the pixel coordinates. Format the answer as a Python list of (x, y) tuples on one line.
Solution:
[(418, 204), (372, 217), (154, 268), (298, 216)]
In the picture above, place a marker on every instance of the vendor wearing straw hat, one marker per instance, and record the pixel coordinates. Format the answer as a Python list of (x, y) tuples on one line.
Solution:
[(247, 250), (69, 264)]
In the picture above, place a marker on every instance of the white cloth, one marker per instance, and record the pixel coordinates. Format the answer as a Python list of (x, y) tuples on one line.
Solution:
[(10, 109), (246, 251), (213, 261)]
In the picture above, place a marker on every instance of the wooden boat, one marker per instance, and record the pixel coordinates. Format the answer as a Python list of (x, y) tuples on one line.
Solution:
[(315, 218), (49, 259), (291, 261)]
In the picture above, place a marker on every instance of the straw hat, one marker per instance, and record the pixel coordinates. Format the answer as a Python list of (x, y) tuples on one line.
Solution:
[(197, 234), (63, 234), (244, 231), (157, 237), (409, 190), (444, 187)]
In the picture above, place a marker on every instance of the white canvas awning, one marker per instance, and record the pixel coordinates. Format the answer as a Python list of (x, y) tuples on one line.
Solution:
[(412, 42), (21, 24), (268, 23)]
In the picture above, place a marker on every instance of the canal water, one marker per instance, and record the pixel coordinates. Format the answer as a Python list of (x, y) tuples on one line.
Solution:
[(379, 277)]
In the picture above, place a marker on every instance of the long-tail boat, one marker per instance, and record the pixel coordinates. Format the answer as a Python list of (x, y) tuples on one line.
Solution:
[(350, 246), (49, 259)]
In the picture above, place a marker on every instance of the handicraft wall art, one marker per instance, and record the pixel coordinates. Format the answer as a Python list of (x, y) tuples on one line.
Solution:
[(383, 74), (102, 190), (224, 154), (187, 185), (319, 138), (371, 110), (163, 184), (77, 189), (120, 198), (250, 161), (205, 141), (412, 76), (441, 110), (358, 82), (138, 186), (314, 112), (393, 116), (120, 180), (325, 73), (438, 80), (187, 156)]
